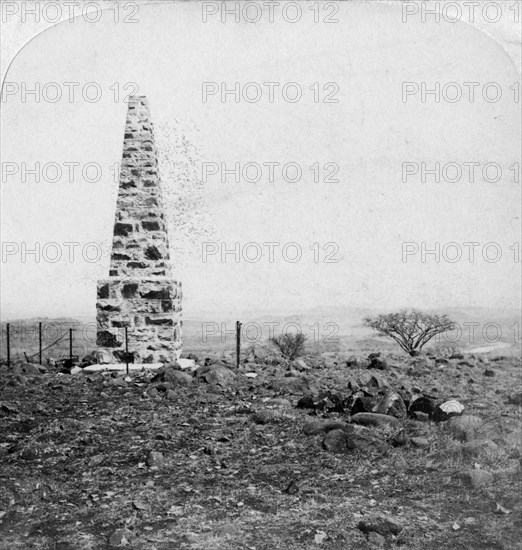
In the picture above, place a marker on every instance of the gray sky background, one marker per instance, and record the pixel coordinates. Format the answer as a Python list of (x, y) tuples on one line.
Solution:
[(369, 213)]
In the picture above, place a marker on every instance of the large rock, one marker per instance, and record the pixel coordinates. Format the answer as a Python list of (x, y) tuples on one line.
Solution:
[(375, 419), (342, 441)]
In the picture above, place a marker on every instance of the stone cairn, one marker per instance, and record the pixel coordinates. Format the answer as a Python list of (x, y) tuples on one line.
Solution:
[(140, 293)]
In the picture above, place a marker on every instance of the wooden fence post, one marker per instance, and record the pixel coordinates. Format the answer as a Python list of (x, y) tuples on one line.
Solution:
[(8, 346), (40, 343), (238, 342)]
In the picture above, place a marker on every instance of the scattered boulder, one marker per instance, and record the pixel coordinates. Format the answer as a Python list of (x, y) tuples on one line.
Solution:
[(464, 427), (377, 363), (306, 402), (400, 439), (381, 524), (364, 404), (186, 363), (352, 361), (377, 382), (169, 375), (476, 478), (447, 410), (422, 404), (376, 540), (300, 365), (153, 393), (122, 537), (391, 404), (177, 378), (489, 373), (375, 419), (263, 417), (217, 375)]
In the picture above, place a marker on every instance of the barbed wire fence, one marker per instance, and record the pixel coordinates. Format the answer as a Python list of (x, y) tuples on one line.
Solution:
[(39, 342)]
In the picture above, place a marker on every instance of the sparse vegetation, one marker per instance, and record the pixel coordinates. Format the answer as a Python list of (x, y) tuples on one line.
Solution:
[(229, 467), (411, 329), (290, 345)]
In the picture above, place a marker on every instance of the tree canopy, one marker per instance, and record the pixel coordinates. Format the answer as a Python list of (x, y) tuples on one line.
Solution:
[(411, 329)]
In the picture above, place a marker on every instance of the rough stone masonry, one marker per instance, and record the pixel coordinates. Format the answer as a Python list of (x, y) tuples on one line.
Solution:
[(140, 292)]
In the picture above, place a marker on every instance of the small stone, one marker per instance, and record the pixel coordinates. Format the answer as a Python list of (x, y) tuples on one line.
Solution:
[(420, 442), (153, 393), (122, 537), (480, 448), (263, 417), (300, 365), (378, 363), (476, 478), (155, 458), (381, 524), (364, 404), (489, 372), (464, 427), (171, 395), (400, 439), (376, 540)]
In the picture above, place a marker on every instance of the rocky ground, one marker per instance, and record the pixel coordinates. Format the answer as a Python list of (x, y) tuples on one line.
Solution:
[(317, 453)]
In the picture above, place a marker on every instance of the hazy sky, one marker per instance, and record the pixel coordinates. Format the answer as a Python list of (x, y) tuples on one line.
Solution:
[(369, 133)]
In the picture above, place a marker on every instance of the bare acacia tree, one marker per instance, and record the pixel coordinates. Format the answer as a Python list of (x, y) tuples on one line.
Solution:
[(289, 345), (411, 329)]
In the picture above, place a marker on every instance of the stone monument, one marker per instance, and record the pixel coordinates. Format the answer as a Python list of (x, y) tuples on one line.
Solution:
[(140, 293)]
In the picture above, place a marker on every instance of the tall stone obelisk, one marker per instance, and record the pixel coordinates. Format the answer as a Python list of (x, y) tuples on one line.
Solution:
[(140, 293)]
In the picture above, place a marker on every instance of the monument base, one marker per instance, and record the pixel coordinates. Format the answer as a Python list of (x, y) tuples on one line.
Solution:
[(150, 309)]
